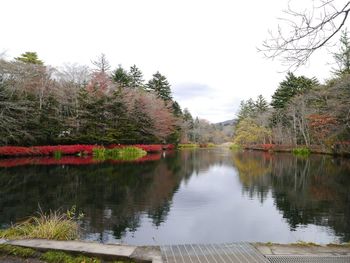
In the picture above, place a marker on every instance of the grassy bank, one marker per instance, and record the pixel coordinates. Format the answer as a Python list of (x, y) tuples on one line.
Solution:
[(342, 149), (58, 151), (125, 153), (301, 151), (195, 145), (54, 225)]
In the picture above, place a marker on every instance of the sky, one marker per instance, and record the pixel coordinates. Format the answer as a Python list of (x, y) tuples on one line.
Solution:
[(206, 49)]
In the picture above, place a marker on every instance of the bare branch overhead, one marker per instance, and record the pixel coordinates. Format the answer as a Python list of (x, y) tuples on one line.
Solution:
[(302, 32)]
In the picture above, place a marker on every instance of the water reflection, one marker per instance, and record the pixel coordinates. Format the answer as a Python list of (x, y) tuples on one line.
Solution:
[(313, 190), (191, 197)]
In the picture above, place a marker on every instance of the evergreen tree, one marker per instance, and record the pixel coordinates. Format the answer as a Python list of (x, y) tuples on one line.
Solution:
[(342, 58), (188, 118), (30, 58), (261, 104), (50, 123), (290, 87), (176, 109), (246, 109), (142, 124), (118, 123), (121, 77), (160, 85), (135, 77)]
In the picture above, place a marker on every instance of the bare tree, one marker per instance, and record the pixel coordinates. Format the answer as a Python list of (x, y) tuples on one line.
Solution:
[(101, 63), (305, 31)]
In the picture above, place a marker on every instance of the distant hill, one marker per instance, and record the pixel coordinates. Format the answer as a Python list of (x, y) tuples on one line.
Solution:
[(227, 123)]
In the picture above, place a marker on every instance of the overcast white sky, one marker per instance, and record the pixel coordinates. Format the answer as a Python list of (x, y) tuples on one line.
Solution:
[(207, 49)]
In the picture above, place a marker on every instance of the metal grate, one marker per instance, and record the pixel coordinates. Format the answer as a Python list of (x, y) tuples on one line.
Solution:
[(210, 253), (309, 259)]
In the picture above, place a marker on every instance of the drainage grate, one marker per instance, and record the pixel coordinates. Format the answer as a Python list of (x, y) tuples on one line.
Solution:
[(309, 259), (210, 253)]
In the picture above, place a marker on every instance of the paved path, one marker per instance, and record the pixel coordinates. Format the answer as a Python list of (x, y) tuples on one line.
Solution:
[(277, 253), (254, 253), (210, 253)]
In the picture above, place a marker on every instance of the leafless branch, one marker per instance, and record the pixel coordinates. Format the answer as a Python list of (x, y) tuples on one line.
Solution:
[(304, 32)]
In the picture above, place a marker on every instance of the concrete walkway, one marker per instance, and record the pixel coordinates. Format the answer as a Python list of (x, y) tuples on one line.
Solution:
[(276, 253), (110, 252), (208, 253)]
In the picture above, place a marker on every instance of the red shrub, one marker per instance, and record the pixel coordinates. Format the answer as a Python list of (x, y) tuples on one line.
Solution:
[(14, 151), (267, 146), (72, 149), (169, 147), (46, 150)]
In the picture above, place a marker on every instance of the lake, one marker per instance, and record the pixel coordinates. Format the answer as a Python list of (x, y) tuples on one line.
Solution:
[(189, 196)]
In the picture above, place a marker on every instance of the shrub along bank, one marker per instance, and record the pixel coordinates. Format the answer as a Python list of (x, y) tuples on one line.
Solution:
[(339, 148), (80, 149)]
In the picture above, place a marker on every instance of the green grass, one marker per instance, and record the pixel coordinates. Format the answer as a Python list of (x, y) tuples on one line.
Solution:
[(188, 145), (301, 151), (55, 225), (8, 250), (62, 257), (125, 154), (99, 153), (57, 155), (131, 153)]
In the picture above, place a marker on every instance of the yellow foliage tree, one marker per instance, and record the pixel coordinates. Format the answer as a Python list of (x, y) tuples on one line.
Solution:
[(248, 132)]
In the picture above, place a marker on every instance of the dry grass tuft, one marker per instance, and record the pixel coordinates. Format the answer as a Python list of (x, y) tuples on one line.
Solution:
[(55, 225)]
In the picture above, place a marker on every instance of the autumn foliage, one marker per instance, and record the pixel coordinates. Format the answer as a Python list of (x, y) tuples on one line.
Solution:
[(71, 149), (322, 126), (69, 160)]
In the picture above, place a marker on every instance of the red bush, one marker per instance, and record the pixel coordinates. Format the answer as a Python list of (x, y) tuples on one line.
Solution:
[(72, 149), (267, 146), (46, 150)]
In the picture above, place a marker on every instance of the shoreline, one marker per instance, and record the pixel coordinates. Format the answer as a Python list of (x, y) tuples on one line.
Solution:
[(154, 254), (314, 149)]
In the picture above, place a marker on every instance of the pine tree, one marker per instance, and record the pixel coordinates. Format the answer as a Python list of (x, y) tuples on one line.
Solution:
[(246, 109), (290, 87), (30, 58), (176, 109), (261, 104), (120, 77), (342, 58), (135, 77), (160, 86)]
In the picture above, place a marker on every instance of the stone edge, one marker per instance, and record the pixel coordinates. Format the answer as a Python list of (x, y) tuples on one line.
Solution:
[(141, 254)]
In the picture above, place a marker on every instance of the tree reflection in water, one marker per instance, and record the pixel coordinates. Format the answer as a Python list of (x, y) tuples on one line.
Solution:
[(312, 190), (115, 197)]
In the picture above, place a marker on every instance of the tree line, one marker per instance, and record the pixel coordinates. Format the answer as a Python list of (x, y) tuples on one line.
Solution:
[(40, 104), (74, 104), (302, 111)]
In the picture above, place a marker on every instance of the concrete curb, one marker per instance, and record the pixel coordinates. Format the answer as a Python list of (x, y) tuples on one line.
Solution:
[(138, 254)]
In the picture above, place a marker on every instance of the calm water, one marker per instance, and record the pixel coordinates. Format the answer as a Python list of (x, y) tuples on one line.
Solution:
[(191, 196)]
